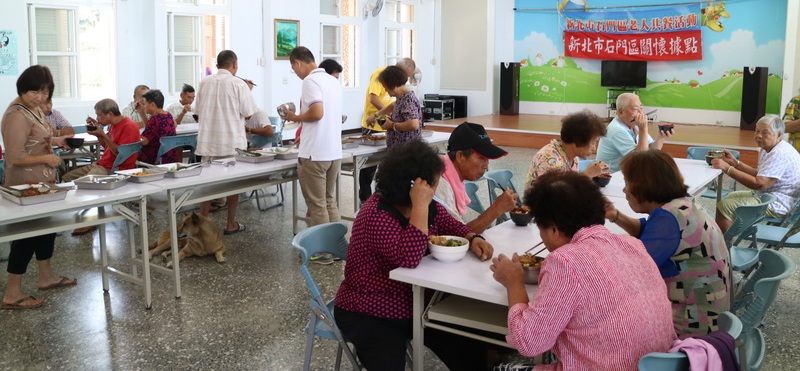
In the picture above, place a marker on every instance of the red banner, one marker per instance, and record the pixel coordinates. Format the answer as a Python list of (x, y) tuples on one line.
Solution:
[(658, 46)]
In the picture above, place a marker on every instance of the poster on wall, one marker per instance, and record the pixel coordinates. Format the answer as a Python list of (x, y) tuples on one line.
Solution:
[(660, 34), (8, 53), (734, 35)]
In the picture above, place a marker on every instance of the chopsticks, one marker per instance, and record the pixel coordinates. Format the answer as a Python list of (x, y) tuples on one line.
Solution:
[(535, 246), (247, 81)]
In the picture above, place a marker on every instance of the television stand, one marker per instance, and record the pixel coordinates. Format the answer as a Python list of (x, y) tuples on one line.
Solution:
[(611, 99)]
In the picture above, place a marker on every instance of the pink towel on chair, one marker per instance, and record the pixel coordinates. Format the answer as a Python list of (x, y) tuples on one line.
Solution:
[(460, 193), (702, 355)]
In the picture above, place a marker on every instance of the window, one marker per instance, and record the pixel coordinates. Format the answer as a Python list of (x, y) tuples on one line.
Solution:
[(339, 37), (341, 8), (196, 36), (400, 31), (339, 44), (77, 44)]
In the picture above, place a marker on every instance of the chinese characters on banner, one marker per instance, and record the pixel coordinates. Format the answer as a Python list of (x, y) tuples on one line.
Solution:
[(664, 34)]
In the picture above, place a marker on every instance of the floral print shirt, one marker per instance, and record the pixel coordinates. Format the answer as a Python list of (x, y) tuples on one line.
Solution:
[(406, 107), (159, 125), (551, 156)]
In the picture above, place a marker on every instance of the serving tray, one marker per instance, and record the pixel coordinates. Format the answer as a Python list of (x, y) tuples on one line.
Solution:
[(104, 182), (52, 195)]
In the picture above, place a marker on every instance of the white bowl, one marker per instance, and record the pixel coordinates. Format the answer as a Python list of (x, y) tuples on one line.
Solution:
[(449, 253)]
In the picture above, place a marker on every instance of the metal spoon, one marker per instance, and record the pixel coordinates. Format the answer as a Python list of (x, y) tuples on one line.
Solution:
[(225, 163)]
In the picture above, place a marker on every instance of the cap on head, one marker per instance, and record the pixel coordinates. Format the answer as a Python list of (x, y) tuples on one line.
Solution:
[(474, 137)]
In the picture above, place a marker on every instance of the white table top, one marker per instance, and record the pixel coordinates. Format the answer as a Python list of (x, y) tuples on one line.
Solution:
[(217, 173), (472, 278), (696, 174), (436, 138), (77, 199)]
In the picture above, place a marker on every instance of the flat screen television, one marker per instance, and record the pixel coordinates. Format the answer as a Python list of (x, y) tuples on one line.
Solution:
[(631, 74)]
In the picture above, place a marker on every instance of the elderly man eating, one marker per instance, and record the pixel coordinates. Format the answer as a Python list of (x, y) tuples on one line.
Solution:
[(469, 150), (777, 173)]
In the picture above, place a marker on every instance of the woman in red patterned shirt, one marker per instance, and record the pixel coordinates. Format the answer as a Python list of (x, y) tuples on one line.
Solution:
[(601, 303), (391, 230)]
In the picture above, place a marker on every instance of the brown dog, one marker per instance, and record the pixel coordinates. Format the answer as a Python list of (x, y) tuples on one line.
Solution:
[(202, 238)]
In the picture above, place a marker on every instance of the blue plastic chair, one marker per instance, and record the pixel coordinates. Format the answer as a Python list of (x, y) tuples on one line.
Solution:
[(260, 141), (498, 181), (792, 216), (177, 141), (745, 227), (699, 153), (474, 202), (678, 361), (125, 151), (754, 299), (330, 238)]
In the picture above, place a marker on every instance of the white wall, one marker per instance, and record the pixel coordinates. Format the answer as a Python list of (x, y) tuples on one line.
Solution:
[(141, 51)]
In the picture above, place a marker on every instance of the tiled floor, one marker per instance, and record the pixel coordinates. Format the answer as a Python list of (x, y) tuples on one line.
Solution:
[(248, 313)]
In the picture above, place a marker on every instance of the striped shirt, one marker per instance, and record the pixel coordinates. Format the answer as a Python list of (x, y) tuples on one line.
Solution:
[(223, 101), (601, 305), (57, 120)]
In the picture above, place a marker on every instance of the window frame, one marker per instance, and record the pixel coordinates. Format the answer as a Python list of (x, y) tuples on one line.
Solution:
[(393, 25), (350, 74), (201, 12), (74, 41)]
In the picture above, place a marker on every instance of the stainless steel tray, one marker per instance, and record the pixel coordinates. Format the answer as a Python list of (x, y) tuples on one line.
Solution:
[(427, 133), (265, 157), (53, 195), (347, 144), (368, 142), (148, 175), (101, 181), (282, 153), (173, 172)]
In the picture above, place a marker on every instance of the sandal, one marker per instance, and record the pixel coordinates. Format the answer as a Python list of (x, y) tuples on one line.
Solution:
[(19, 303), (239, 227), (64, 282)]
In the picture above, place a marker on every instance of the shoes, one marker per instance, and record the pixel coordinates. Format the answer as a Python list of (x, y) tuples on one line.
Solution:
[(239, 227), (28, 302), (64, 282), (84, 230), (323, 258)]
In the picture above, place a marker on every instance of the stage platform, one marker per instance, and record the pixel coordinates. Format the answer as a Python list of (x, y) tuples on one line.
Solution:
[(534, 131)]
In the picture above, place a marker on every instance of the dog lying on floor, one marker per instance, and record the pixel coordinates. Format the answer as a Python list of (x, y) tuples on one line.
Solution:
[(202, 238)]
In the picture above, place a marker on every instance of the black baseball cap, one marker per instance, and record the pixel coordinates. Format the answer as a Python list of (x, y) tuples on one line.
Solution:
[(474, 137)]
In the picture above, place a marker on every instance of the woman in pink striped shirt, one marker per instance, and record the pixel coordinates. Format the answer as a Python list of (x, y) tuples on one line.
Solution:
[(601, 303)]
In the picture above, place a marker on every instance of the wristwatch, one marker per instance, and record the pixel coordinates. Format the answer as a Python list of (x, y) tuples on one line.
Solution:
[(476, 235)]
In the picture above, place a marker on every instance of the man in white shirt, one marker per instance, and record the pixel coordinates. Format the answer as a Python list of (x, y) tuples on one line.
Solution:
[(224, 102), (320, 157), (134, 108), (628, 132), (182, 110), (259, 129)]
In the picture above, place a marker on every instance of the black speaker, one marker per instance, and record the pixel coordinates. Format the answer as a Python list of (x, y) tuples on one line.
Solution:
[(509, 88), (754, 96)]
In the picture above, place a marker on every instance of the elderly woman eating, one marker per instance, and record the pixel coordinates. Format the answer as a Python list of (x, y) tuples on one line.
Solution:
[(600, 304), (776, 173), (684, 241), (580, 133), (391, 231)]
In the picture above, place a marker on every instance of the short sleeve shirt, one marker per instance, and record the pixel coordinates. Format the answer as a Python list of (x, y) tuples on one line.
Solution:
[(321, 140), (158, 126), (124, 132), (175, 110), (406, 108), (618, 142), (793, 113), (781, 163), (223, 101), (57, 120)]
